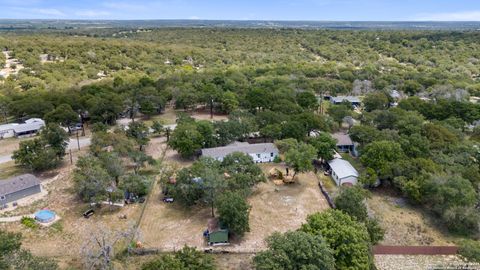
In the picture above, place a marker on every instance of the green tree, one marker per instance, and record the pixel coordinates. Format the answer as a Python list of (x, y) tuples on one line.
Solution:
[(307, 100), (300, 158), (113, 164), (295, 251), (12, 256), (157, 127), (134, 183), (375, 230), (368, 177), (193, 259), (470, 250), (56, 138), (352, 201), (243, 166), (325, 145), (380, 156), (234, 210), (339, 112), (139, 132), (229, 102), (375, 101), (186, 139), (164, 262), (363, 134), (35, 156), (62, 115), (347, 237), (91, 180)]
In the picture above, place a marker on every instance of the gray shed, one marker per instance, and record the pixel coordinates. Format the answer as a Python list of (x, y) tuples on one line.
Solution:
[(18, 187)]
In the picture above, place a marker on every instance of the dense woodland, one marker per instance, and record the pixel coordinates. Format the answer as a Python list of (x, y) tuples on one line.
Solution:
[(268, 81)]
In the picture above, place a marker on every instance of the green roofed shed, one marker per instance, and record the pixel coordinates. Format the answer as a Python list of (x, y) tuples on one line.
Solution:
[(217, 235)]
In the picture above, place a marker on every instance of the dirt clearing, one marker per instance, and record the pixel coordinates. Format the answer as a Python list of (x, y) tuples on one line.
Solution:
[(274, 208), (404, 224)]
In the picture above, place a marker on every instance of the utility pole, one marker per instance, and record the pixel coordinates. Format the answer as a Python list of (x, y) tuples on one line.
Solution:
[(78, 141), (211, 108)]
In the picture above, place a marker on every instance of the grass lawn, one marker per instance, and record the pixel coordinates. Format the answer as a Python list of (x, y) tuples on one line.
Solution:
[(9, 169)]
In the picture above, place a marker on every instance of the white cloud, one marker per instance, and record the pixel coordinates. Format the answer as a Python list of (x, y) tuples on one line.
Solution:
[(92, 13), (194, 18), (473, 15), (48, 11)]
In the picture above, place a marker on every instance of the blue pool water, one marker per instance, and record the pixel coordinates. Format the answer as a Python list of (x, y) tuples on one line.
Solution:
[(45, 216)]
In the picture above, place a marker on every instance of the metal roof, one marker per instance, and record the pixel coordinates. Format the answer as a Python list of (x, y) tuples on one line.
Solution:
[(34, 120), (341, 99), (342, 168), (28, 127), (18, 183), (220, 152), (342, 138), (8, 126)]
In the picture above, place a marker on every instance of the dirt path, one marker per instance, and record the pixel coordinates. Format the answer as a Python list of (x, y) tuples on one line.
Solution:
[(7, 70)]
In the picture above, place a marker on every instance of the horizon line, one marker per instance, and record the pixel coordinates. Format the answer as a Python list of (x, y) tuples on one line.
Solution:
[(242, 20)]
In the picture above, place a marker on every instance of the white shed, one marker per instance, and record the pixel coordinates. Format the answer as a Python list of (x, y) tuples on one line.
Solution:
[(343, 173)]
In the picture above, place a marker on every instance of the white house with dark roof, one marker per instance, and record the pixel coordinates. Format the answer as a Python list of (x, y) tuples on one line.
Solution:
[(261, 152), (343, 173), (355, 101), (18, 187), (29, 128)]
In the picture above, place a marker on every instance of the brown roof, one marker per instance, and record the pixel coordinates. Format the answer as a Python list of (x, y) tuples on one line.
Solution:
[(342, 139), (17, 183)]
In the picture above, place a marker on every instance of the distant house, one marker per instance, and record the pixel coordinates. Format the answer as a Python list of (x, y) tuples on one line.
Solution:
[(216, 234), (262, 152), (6, 131), (18, 187), (355, 101), (30, 128), (344, 142), (343, 173)]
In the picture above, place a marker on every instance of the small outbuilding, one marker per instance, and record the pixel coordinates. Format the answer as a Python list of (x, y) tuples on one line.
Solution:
[(216, 234), (343, 173), (18, 187)]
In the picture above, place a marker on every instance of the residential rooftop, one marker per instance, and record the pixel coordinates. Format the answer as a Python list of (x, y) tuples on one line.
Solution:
[(243, 147), (342, 168), (17, 183)]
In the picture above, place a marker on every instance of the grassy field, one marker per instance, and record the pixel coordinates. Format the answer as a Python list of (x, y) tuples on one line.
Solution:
[(405, 224), (9, 169), (274, 208)]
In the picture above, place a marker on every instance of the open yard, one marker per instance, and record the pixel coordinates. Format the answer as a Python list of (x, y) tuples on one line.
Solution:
[(274, 208), (404, 224), (63, 241)]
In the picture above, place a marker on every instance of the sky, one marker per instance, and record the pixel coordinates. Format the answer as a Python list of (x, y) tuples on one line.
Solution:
[(311, 10)]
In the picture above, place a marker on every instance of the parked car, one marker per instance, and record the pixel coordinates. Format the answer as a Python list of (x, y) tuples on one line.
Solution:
[(88, 213), (168, 200)]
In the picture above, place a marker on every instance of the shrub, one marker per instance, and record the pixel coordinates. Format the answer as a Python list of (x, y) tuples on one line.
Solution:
[(29, 222), (470, 249)]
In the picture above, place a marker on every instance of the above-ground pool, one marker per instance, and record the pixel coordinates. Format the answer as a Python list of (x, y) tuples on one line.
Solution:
[(45, 216)]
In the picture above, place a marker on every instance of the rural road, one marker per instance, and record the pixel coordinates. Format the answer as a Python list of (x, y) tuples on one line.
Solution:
[(72, 144)]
